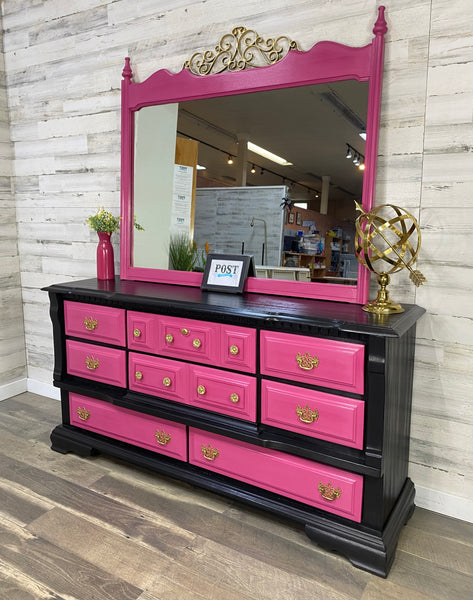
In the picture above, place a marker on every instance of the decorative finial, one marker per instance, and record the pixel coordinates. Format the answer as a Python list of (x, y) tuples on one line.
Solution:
[(380, 27), (127, 73)]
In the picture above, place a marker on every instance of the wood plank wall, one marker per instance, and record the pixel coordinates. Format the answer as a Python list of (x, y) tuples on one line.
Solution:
[(63, 71)]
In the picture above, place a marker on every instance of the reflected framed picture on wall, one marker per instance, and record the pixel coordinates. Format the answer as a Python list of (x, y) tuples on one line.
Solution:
[(298, 218), (290, 218)]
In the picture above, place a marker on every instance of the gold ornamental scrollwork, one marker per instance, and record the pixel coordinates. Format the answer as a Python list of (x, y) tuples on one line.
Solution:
[(306, 361), (329, 492), (162, 437), (241, 49), (91, 363), (90, 323), (208, 452), (307, 414), (83, 413)]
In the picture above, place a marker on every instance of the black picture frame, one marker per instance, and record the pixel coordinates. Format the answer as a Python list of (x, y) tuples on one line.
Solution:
[(227, 272)]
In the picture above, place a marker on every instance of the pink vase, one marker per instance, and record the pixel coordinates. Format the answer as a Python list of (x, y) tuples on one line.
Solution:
[(105, 265)]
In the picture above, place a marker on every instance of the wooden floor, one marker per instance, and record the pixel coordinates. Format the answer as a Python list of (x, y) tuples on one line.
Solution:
[(93, 529)]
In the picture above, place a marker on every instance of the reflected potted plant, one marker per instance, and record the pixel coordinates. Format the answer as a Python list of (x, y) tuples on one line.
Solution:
[(183, 254)]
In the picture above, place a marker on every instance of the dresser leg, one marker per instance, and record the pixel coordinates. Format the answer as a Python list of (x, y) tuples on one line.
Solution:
[(63, 441)]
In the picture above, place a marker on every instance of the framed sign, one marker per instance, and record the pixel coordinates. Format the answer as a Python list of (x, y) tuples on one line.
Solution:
[(227, 272)]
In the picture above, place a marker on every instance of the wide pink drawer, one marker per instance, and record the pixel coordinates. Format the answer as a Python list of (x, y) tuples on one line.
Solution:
[(333, 490), (309, 412), (128, 426), (330, 363), (158, 376), (107, 365), (222, 391), (92, 322)]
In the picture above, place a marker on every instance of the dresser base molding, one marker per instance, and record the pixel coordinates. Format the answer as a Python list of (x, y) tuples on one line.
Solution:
[(365, 548)]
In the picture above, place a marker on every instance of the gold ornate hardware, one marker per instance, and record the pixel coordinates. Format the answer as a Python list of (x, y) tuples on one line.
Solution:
[(139, 375), (201, 390), (234, 350), (329, 492), (306, 414), (83, 413), (197, 343), (234, 397), (166, 382), (241, 49), (91, 363), (90, 323), (184, 331), (306, 361), (169, 338), (208, 452), (137, 333), (162, 437)]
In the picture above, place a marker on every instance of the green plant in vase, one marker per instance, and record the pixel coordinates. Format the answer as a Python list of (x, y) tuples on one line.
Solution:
[(182, 252)]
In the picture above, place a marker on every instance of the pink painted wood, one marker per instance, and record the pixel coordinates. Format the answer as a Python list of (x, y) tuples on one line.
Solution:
[(291, 476), (238, 348), (107, 365), (337, 364), (128, 426), (159, 377), (326, 61), (334, 418), (93, 322)]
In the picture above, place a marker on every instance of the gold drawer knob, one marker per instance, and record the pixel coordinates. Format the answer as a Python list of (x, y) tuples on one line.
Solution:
[(83, 413), (234, 350), (136, 333), (162, 437), (234, 397), (201, 390), (139, 375), (306, 414), (90, 323), (169, 338), (329, 492), (208, 452), (166, 382), (91, 363), (306, 361), (184, 331), (197, 343)]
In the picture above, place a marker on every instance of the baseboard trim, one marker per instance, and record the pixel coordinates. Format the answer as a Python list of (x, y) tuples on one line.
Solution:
[(445, 504), (43, 389), (13, 389)]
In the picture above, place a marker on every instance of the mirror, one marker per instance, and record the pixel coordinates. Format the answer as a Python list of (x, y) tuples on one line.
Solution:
[(173, 124)]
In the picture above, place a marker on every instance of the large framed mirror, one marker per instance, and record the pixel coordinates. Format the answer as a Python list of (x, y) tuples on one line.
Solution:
[(315, 112)]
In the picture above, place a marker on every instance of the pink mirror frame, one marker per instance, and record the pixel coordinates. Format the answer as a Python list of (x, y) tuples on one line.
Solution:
[(326, 61)]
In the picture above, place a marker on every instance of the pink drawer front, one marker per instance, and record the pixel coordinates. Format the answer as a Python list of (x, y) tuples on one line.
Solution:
[(330, 363), (126, 425), (238, 348), (107, 365), (224, 392), (158, 376), (333, 490), (92, 322), (309, 412)]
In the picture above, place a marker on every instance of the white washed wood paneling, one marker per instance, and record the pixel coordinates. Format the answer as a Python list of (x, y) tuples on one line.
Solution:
[(63, 64)]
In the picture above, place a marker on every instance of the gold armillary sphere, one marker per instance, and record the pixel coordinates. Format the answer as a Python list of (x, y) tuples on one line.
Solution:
[(385, 245)]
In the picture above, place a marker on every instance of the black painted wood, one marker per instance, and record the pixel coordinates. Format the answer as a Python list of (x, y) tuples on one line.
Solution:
[(388, 496)]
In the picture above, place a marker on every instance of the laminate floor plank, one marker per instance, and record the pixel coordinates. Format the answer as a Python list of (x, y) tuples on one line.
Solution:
[(19, 506), (446, 527), (16, 585)]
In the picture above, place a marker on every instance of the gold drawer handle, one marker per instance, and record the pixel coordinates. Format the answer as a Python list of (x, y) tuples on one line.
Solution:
[(91, 363), (329, 492), (90, 323), (83, 413), (234, 350), (201, 390), (208, 452), (166, 382), (136, 333), (197, 343), (234, 397), (306, 361), (306, 414), (169, 338), (184, 331), (139, 375), (162, 437)]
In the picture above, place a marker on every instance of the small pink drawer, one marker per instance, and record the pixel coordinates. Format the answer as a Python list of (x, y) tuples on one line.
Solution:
[(93, 322), (128, 426), (224, 392), (158, 376), (309, 412), (107, 365), (333, 490), (319, 361), (238, 348)]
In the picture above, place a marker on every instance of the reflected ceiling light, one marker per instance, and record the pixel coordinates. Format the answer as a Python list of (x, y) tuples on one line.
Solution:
[(357, 158), (361, 166), (269, 155), (253, 169), (362, 135), (349, 152), (230, 159), (200, 168)]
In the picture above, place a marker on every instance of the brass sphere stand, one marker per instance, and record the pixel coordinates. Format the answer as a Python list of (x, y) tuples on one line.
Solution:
[(383, 305)]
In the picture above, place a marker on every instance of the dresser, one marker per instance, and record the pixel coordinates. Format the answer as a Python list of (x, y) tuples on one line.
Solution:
[(298, 407)]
